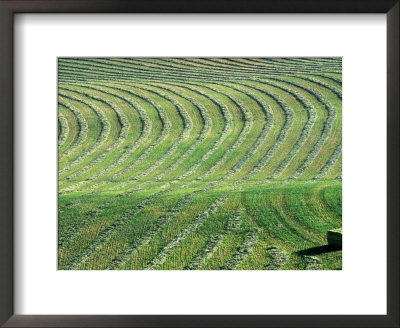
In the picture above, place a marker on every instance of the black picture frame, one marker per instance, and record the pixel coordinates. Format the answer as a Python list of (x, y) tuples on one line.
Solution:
[(10, 7)]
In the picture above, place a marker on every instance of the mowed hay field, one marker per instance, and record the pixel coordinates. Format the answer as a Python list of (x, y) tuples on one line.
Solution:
[(199, 163)]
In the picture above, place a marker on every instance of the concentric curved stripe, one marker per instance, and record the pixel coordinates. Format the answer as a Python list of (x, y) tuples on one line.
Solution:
[(82, 126), (63, 129), (198, 163)]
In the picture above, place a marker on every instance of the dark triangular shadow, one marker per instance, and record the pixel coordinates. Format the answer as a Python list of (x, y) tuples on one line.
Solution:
[(318, 250)]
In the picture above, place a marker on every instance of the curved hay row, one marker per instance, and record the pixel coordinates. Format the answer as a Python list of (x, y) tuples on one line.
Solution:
[(64, 129), (312, 116), (82, 124), (144, 141), (72, 126), (227, 130), (282, 135), (222, 137), (247, 118), (325, 132), (144, 137), (335, 90), (145, 124), (104, 130), (121, 138), (204, 133), (327, 135), (183, 136), (203, 136), (269, 117), (165, 131), (330, 163)]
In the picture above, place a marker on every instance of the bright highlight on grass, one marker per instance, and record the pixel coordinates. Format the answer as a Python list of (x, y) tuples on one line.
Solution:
[(199, 163)]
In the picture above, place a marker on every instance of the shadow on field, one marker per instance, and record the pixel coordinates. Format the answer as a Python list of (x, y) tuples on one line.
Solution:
[(318, 250)]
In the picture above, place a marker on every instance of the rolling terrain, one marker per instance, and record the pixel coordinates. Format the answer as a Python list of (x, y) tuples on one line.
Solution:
[(199, 163)]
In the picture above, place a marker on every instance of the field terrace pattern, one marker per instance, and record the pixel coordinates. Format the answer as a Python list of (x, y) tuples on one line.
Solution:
[(199, 163)]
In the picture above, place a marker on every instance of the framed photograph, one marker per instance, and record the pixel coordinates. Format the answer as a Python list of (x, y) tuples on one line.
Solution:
[(204, 164)]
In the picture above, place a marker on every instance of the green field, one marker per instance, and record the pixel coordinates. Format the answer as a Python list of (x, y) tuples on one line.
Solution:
[(199, 163)]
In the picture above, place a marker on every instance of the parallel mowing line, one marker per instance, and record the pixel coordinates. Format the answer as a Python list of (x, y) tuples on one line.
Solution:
[(282, 65), (175, 71), (286, 63), (146, 126), (87, 219), (244, 250), (215, 242), (270, 61), (243, 71), (125, 256), (106, 234), (107, 72), (157, 77), (104, 132), (82, 124), (282, 134), (325, 131), (191, 228), (170, 65), (161, 72), (132, 67), (125, 126), (64, 129), (331, 161), (187, 128)]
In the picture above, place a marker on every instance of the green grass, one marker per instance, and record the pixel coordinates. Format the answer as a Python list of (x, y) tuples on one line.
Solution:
[(199, 163)]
